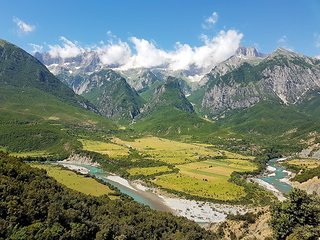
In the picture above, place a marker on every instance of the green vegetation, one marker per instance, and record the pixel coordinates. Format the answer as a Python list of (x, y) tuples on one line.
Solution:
[(148, 94), (205, 188), (149, 170), (307, 174), (113, 96), (35, 206), (305, 169), (112, 150), (75, 181), (298, 217), (32, 120)]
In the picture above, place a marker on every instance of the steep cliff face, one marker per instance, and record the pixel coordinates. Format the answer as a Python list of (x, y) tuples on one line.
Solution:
[(283, 76), (112, 95)]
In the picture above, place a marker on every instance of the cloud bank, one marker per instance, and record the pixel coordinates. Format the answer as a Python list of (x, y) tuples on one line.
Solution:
[(23, 27), (141, 53)]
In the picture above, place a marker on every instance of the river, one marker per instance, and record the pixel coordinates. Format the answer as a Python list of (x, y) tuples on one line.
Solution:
[(276, 176)]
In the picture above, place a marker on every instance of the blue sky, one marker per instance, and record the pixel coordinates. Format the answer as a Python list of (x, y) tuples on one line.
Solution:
[(265, 24)]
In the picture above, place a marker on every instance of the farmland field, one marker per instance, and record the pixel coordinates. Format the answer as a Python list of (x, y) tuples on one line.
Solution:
[(112, 150), (304, 163), (174, 152), (208, 179), (70, 179), (148, 170)]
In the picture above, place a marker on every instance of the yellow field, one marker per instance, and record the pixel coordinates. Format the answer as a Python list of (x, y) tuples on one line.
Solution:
[(112, 150), (305, 163), (207, 178), (174, 152), (148, 170), (75, 181)]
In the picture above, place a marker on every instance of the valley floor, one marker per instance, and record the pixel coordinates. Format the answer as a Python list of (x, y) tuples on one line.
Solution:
[(198, 211)]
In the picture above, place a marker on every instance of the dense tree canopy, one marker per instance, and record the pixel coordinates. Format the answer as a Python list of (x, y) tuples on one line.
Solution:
[(298, 217)]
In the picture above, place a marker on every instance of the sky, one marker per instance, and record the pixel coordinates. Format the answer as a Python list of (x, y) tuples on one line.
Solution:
[(175, 33)]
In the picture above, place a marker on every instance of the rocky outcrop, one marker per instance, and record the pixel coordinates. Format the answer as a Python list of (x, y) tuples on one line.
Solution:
[(283, 76), (140, 79), (310, 186), (242, 55)]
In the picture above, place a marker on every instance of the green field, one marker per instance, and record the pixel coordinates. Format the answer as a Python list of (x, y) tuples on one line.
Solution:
[(70, 179), (207, 179), (112, 150), (148, 170)]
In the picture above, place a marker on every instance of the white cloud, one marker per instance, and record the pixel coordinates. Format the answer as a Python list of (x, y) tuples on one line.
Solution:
[(36, 47), (146, 54), (213, 51), (114, 53), (23, 27), (317, 56), (67, 50), (210, 21)]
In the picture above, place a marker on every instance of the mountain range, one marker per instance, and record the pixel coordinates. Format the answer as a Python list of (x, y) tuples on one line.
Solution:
[(241, 99)]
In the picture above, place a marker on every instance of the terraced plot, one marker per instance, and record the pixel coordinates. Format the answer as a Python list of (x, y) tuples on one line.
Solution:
[(148, 170), (70, 179), (112, 150)]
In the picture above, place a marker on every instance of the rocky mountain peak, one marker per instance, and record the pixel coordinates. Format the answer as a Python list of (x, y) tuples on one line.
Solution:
[(249, 52)]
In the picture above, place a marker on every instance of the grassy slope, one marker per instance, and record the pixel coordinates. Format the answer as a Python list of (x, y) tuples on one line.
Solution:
[(32, 120)]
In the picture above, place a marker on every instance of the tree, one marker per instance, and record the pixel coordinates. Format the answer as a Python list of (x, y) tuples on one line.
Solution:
[(300, 211)]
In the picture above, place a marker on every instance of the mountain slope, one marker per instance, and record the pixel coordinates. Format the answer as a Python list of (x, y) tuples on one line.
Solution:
[(283, 76), (37, 111), (169, 113), (112, 95), (168, 95), (20, 69)]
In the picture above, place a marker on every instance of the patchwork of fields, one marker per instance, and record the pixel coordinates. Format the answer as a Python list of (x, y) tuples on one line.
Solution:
[(201, 170)]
